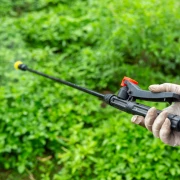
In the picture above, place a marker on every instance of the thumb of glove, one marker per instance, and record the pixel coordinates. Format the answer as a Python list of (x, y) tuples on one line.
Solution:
[(138, 120)]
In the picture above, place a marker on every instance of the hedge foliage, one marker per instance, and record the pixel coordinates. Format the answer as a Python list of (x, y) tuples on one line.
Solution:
[(51, 131)]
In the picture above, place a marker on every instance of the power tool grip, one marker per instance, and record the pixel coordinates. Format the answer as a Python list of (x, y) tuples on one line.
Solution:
[(139, 109)]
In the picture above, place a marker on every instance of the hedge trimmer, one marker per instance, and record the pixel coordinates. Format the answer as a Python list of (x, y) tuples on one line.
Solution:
[(126, 98)]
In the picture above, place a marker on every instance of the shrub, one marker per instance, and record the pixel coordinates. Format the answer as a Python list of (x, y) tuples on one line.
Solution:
[(56, 132)]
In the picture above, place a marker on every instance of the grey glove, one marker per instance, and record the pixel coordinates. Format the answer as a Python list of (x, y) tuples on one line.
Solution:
[(160, 125)]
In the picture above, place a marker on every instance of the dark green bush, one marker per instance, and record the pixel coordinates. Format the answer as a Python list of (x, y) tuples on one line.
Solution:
[(55, 132)]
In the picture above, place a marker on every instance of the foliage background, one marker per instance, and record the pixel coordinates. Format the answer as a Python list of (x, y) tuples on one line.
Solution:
[(50, 131)]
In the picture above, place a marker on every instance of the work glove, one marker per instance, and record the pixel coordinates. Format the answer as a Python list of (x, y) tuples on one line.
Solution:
[(160, 125)]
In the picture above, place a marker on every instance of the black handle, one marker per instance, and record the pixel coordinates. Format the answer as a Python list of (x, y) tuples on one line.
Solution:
[(139, 109), (134, 91)]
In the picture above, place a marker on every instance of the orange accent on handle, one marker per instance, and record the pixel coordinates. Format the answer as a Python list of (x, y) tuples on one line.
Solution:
[(128, 79)]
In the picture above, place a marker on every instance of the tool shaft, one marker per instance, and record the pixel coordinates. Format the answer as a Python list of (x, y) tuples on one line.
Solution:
[(94, 93)]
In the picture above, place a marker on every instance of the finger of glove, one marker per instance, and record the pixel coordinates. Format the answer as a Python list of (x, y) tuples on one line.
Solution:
[(150, 117), (138, 120), (158, 123), (166, 87), (165, 133)]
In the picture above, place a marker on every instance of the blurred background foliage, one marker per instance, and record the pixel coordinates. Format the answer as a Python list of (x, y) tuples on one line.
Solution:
[(50, 131)]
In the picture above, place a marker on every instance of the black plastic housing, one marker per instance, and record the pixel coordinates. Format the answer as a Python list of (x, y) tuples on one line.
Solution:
[(138, 109), (135, 92)]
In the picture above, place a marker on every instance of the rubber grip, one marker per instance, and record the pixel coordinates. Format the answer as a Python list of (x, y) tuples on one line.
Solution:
[(139, 109)]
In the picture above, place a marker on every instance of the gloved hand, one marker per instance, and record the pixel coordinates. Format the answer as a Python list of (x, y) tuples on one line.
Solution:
[(160, 125)]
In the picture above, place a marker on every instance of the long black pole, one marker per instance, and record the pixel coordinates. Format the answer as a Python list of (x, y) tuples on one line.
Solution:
[(94, 93)]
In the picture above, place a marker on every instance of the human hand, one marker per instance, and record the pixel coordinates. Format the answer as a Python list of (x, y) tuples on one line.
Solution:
[(160, 125)]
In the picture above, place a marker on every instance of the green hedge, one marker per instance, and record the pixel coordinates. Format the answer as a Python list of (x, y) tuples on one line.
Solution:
[(54, 132)]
